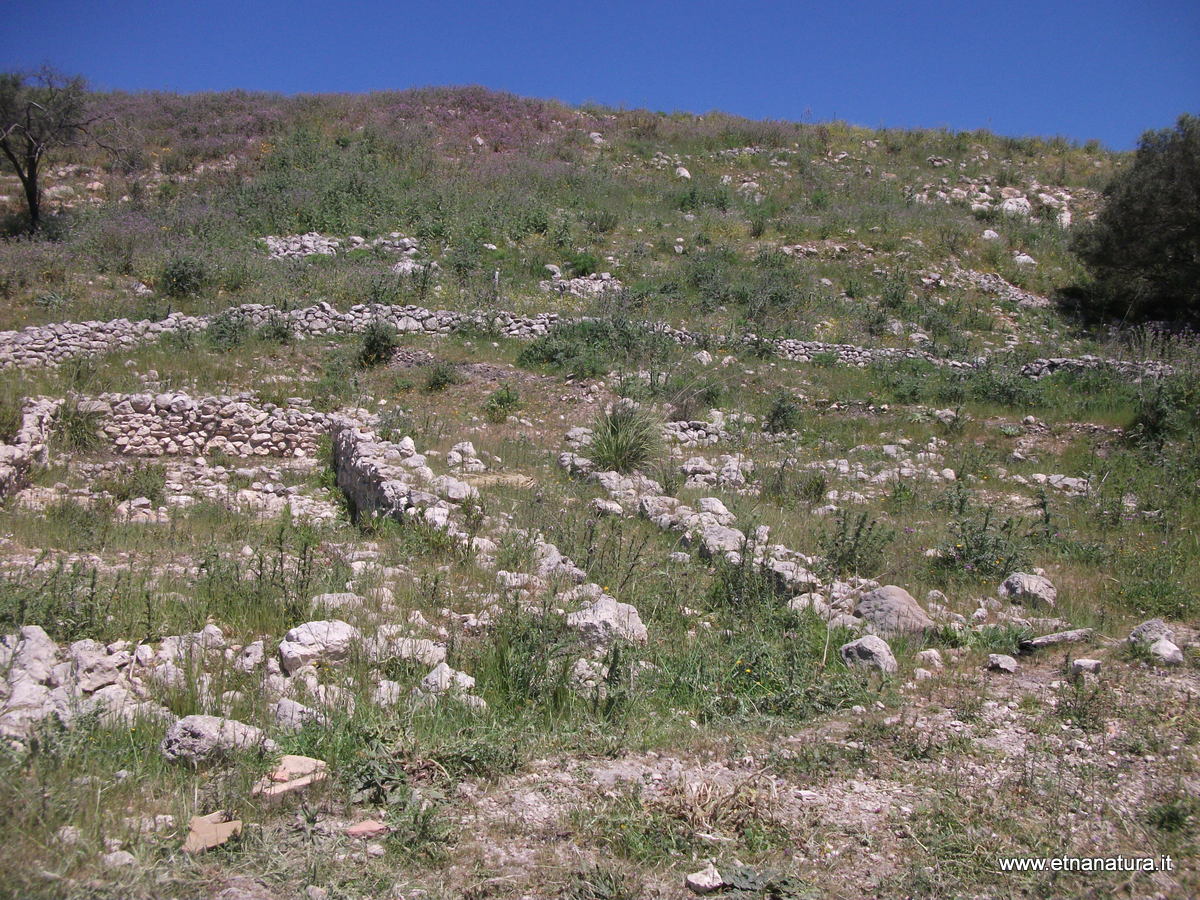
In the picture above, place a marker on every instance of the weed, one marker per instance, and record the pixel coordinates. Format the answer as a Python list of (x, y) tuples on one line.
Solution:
[(855, 544), (501, 403), (624, 438), (76, 430), (377, 345), (441, 376)]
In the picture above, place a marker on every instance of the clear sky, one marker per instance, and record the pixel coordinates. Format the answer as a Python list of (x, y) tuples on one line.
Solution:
[(1106, 69)]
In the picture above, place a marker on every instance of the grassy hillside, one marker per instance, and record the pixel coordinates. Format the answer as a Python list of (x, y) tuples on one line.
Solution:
[(744, 495)]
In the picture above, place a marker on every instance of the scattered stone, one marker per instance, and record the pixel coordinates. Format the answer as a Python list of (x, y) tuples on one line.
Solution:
[(197, 739), (1001, 662), (1074, 636), (706, 881), (1150, 631), (327, 642), (370, 828), (605, 618), (1166, 652), (870, 652), (207, 832), (930, 658), (1084, 666), (294, 773), (1024, 588), (118, 859)]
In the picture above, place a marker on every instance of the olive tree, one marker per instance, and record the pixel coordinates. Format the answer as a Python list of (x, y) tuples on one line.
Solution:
[(38, 113), (1143, 249)]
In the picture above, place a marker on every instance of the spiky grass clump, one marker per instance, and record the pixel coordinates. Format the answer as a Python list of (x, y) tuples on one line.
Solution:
[(625, 438)]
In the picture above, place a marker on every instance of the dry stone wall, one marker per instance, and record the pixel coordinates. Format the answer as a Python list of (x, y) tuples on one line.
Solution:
[(175, 423), (29, 446)]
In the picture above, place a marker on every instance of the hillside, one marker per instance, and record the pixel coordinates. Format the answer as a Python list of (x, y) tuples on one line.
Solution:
[(579, 501)]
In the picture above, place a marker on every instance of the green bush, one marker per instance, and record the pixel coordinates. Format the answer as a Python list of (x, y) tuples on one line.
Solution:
[(183, 276), (228, 330), (784, 415), (855, 545), (378, 344), (592, 347), (625, 438), (501, 403), (1143, 249), (983, 546), (441, 376)]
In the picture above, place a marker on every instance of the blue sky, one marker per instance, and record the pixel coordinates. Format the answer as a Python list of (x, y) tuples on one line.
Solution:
[(1081, 68)]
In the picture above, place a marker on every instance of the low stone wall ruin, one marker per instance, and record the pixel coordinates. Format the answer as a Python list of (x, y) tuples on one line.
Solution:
[(51, 345)]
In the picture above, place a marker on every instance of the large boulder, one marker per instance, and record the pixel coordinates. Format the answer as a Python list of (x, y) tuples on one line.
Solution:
[(326, 641), (891, 610), (1150, 631), (869, 652), (1030, 590), (197, 739)]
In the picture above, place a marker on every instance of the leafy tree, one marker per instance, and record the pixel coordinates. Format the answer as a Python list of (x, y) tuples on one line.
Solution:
[(38, 113), (1143, 249)]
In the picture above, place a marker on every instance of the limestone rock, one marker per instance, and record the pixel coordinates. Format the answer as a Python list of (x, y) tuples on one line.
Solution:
[(869, 652), (606, 618), (326, 641), (1166, 653), (1150, 631), (196, 739), (1001, 662), (1034, 590), (891, 610)]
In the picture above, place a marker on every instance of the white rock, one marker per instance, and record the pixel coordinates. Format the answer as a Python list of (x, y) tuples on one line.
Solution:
[(1166, 653), (1021, 587), (327, 641), (196, 739), (869, 652)]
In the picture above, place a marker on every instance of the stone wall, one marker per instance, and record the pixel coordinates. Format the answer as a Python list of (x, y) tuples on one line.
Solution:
[(50, 345), (175, 423), (29, 445)]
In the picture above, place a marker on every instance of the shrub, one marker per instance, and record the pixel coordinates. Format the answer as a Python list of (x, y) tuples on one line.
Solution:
[(501, 403), (784, 415), (1143, 249), (582, 263), (226, 331), (183, 276), (624, 438), (592, 347), (441, 376), (378, 344), (982, 546), (855, 544), (1166, 408)]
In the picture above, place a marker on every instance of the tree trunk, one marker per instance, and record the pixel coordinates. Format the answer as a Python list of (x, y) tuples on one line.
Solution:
[(30, 183)]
